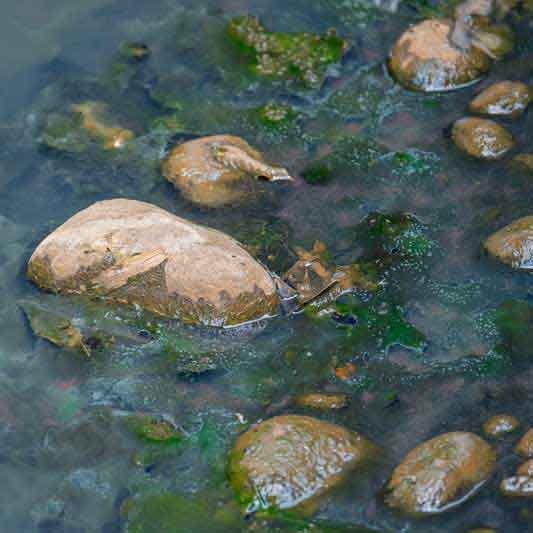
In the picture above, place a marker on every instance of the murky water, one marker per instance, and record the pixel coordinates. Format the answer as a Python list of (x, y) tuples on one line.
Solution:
[(67, 461)]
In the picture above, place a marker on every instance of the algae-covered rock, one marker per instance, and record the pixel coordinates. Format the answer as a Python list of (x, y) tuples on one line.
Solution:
[(525, 469), (302, 57), (289, 461), (65, 133), (514, 319), (517, 486), (138, 254), (135, 50), (482, 138), (524, 161), (525, 445), (217, 171), (424, 59), (152, 429), (500, 425), (505, 98), (319, 400), (440, 474), (276, 116), (513, 244)]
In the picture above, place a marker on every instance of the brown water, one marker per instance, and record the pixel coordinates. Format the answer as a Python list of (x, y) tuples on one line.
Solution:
[(65, 457)]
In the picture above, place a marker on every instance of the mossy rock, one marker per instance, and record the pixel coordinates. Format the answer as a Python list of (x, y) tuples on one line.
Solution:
[(277, 116), (151, 429), (302, 57), (515, 320), (65, 133)]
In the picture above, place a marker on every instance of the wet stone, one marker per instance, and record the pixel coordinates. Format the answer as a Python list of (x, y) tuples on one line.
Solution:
[(138, 254), (505, 98), (218, 171), (525, 445), (500, 425), (482, 138), (322, 401), (525, 469), (153, 429), (524, 161), (440, 473), (424, 59), (513, 244), (290, 461), (517, 486)]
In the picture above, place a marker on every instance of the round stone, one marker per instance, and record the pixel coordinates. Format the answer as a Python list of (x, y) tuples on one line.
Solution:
[(505, 98), (513, 244), (424, 59), (500, 425), (288, 461), (440, 474), (322, 401), (482, 138)]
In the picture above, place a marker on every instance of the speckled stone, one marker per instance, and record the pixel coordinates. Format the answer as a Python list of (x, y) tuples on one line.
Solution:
[(505, 98), (500, 425)]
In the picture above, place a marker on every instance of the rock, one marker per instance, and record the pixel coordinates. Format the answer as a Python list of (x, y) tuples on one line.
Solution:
[(525, 445), (152, 429), (524, 161), (135, 253), (135, 50), (518, 486), (322, 401), (216, 171), (482, 138), (525, 469), (424, 59), (291, 460), (440, 473), (500, 425), (505, 98), (513, 244), (301, 57), (94, 122)]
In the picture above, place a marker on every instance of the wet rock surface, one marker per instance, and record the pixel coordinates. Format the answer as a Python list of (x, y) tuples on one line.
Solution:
[(424, 59), (219, 170), (289, 460), (440, 473), (525, 445), (136, 253), (500, 425), (513, 244), (505, 98), (322, 401), (482, 138)]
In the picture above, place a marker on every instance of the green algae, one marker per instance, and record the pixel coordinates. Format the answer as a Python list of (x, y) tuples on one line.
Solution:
[(302, 57), (379, 320), (64, 133), (514, 319), (152, 429)]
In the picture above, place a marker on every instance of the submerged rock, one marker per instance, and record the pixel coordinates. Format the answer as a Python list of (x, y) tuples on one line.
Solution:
[(524, 161), (525, 445), (324, 401), (153, 429), (138, 254), (525, 469), (500, 425), (93, 120), (505, 98), (425, 59), (303, 57), (217, 171), (291, 460), (482, 138), (517, 486), (513, 244), (440, 473)]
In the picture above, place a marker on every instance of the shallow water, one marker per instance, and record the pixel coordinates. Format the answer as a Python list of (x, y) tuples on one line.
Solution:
[(65, 457)]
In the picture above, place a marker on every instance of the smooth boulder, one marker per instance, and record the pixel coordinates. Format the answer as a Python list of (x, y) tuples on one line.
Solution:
[(218, 171), (425, 59), (440, 474), (505, 98), (482, 138), (513, 244), (290, 461), (136, 253)]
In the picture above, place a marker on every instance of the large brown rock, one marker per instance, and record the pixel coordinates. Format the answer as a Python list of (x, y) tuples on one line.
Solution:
[(440, 473), (513, 244), (289, 461), (482, 138), (136, 253), (217, 171), (425, 59)]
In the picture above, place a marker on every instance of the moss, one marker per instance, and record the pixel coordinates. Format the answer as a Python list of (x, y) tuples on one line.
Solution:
[(514, 319), (319, 173), (65, 133), (277, 116), (302, 57)]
